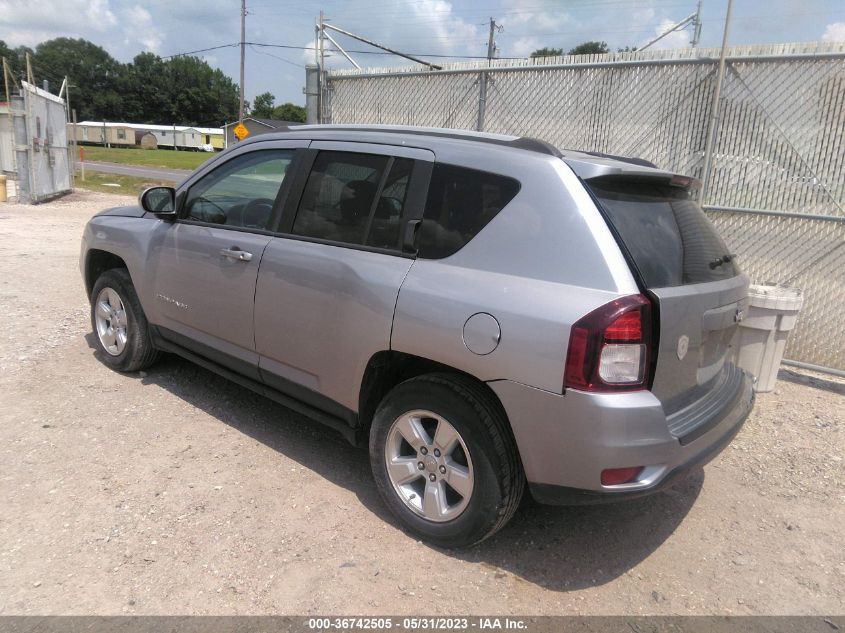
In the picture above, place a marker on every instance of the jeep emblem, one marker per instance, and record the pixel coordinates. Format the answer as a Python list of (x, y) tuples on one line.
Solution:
[(683, 346)]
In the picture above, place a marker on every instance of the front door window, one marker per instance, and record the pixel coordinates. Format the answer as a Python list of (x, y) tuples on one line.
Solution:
[(242, 192)]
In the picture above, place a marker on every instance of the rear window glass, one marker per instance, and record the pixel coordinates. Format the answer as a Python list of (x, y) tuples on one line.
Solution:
[(667, 234), (460, 203)]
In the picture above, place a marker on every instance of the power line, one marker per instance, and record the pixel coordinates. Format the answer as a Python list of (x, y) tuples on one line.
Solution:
[(282, 59), (201, 50)]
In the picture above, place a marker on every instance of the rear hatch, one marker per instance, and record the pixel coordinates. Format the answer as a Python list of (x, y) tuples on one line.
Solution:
[(695, 285)]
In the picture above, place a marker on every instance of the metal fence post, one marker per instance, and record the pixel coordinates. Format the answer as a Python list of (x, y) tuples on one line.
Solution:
[(482, 80), (312, 93), (710, 141)]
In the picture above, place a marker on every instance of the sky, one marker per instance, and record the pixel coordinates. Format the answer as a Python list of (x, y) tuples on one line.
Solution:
[(424, 27)]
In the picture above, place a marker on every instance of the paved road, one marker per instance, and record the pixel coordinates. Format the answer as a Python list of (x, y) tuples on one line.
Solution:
[(174, 175)]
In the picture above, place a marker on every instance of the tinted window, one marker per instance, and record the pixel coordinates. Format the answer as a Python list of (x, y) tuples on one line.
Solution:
[(241, 192), (460, 203), (667, 234), (387, 216), (349, 199)]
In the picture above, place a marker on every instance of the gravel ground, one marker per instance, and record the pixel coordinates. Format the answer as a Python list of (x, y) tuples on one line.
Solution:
[(175, 492)]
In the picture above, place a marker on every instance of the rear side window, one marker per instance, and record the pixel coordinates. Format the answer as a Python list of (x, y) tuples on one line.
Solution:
[(667, 234), (460, 203)]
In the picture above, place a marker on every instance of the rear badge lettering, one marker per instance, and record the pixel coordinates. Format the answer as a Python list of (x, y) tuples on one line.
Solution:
[(683, 346)]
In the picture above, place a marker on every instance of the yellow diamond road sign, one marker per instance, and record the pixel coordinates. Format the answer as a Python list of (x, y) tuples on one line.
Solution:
[(241, 132)]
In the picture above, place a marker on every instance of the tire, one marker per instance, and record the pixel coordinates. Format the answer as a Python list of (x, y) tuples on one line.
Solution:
[(482, 463), (119, 324)]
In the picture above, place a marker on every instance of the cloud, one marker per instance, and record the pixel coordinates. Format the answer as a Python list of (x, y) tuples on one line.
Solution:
[(525, 32), (29, 23), (834, 32), (308, 54), (675, 39), (524, 46), (139, 27), (440, 22)]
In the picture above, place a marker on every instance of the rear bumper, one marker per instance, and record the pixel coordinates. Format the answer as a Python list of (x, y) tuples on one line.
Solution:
[(566, 441)]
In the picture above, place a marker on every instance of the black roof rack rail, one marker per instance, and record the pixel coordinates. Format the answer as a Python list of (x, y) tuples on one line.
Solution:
[(523, 142)]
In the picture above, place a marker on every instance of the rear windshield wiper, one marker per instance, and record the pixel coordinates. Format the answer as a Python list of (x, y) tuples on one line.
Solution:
[(724, 259)]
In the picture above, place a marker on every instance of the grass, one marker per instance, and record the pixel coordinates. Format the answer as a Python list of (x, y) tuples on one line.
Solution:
[(127, 185), (166, 158)]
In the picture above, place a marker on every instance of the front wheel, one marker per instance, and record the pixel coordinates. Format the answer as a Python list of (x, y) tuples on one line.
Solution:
[(444, 459), (120, 324)]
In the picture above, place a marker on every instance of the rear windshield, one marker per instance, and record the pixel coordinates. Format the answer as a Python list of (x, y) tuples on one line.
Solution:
[(667, 234)]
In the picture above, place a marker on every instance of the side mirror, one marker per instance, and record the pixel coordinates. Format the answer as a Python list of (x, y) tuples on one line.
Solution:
[(159, 200)]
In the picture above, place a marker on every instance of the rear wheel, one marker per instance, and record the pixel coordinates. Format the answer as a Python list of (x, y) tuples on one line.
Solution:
[(120, 324), (444, 460)]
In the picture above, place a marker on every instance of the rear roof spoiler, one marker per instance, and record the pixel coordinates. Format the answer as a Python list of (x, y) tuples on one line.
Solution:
[(595, 164), (634, 160)]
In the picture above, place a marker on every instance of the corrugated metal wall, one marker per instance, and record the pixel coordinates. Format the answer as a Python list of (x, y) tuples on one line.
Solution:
[(776, 187), (42, 160)]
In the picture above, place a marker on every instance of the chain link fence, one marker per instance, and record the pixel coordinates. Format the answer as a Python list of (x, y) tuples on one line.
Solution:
[(776, 187)]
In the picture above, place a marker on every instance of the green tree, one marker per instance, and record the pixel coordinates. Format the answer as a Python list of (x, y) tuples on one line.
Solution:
[(16, 60), (289, 112), (145, 90), (181, 90), (12, 61), (547, 52), (589, 48), (95, 75), (262, 107), (199, 94)]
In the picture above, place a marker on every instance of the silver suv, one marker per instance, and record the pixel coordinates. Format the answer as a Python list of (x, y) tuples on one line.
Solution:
[(482, 311)]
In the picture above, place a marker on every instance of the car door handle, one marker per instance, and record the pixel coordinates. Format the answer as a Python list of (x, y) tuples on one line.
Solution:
[(236, 253)]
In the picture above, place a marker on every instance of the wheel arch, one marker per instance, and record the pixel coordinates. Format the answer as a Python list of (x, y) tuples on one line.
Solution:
[(98, 261), (388, 368)]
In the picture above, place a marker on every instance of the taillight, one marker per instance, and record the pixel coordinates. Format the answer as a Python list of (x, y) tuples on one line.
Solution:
[(609, 348)]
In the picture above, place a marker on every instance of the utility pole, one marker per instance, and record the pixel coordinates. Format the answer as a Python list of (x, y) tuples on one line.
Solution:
[(696, 29), (482, 83), (6, 81), (714, 110), (243, 54), (321, 53), (30, 78), (320, 45), (316, 42)]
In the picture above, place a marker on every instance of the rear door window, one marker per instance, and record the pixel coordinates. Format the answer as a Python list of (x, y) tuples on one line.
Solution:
[(354, 199), (666, 233), (460, 203)]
